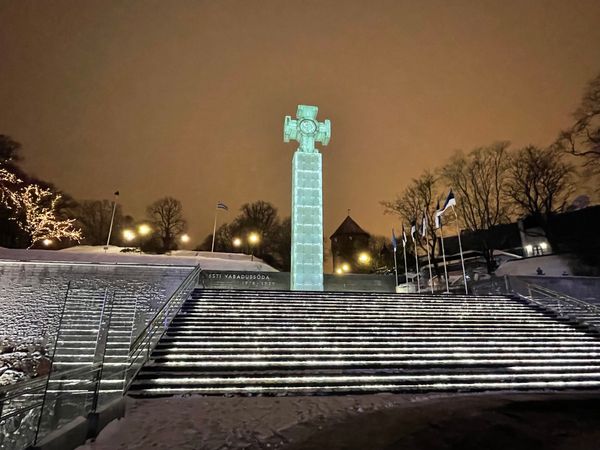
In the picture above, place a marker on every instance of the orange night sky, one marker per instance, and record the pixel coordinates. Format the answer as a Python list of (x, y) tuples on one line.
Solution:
[(187, 98)]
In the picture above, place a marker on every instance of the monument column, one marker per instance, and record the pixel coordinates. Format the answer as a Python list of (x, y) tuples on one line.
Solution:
[(307, 197)]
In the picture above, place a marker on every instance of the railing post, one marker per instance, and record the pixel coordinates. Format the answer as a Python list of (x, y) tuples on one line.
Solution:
[(60, 321), (100, 370)]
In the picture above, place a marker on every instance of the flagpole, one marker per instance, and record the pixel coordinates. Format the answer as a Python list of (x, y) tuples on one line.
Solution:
[(395, 246), (462, 260), (405, 265), (444, 254), (429, 263), (417, 266), (395, 268), (212, 248), (112, 220)]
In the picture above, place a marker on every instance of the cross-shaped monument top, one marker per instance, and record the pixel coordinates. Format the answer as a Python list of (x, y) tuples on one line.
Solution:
[(306, 129)]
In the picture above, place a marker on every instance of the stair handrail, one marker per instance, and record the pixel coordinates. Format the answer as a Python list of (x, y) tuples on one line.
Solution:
[(532, 287), (147, 338), (38, 386)]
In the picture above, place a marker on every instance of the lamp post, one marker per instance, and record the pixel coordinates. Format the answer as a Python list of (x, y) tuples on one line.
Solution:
[(253, 240), (129, 235), (143, 230)]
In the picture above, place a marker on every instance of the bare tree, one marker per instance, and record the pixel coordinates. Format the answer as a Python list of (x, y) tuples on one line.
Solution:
[(540, 183), (417, 199), (583, 138), (94, 218), (167, 216), (477, 180)]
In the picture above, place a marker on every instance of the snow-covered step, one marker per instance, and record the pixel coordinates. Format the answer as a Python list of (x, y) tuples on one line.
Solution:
[(249, 342)]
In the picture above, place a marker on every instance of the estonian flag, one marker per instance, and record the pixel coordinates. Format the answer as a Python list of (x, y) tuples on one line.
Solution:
[(222, 205), (450, 201), (403, 236), (424, 226), (413, 229), (394, 241), (438, 218)]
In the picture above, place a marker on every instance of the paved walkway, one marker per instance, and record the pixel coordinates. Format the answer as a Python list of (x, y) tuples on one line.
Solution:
[(369, 422)]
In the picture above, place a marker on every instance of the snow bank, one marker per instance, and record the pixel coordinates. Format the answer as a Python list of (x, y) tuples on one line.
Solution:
[(113, 255), (551, 265)]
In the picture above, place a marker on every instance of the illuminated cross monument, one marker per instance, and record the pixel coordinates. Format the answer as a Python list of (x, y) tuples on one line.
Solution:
[(307, 197)]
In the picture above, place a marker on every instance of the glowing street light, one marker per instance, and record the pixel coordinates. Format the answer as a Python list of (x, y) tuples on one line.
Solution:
[(364, 258), (237, 242), (346, 267), (144, 229), (253, 239), (47, 242), (128, 235), (185, 238), (339, 271)]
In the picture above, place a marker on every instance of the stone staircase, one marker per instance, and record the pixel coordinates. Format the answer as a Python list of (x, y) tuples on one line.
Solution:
[(271, 342)]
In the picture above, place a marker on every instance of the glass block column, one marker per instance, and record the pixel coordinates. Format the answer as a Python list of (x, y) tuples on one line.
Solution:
[(307, 222)]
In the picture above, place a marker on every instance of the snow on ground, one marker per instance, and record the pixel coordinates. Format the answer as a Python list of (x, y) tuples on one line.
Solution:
[(551, 265), (113, 255), (490, 421)]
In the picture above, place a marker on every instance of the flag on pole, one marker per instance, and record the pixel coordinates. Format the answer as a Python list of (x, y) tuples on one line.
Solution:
[(403, 236), (394, 241), (438, 216), (424, 226), (450, 201), (413, 229), (221, 205)]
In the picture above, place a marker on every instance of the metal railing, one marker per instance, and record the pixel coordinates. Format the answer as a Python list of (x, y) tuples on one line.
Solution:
[(29, 410), (564, 305), (142, 346)]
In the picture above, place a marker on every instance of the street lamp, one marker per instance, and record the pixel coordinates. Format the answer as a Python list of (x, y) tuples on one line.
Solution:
[(253, 239), (185, 238), (144, 229), (237, 242), (128, 235), (346, 267), (47, 242), (364, 258), (339, 271)]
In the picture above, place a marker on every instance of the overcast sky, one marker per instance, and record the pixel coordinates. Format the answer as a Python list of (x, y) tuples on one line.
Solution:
[(187, 98)]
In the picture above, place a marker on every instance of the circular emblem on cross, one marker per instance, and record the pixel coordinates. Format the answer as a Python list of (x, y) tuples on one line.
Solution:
[(308, 126)]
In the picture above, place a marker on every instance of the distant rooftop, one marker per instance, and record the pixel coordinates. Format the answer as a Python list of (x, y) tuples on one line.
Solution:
[(349, 227)]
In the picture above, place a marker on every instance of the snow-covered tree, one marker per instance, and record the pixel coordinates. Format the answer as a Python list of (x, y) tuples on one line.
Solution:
[(37, 215), (8, 183)]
